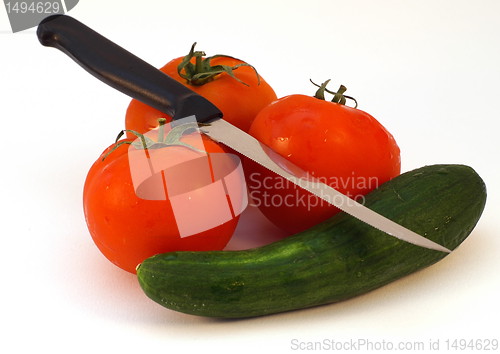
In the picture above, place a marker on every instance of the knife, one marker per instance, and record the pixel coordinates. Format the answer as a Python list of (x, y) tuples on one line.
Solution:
[(136, 78)]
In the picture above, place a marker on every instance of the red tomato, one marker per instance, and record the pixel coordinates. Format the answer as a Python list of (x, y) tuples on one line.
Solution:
[(128, 228), (341, 146), (239, 101)]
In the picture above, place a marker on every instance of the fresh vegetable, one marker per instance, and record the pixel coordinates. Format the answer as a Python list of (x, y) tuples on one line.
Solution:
[(335, 260), (341, 146), (131, 222), (232, 85)]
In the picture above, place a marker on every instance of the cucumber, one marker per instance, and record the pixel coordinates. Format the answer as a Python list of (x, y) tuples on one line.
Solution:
[(333, 261)]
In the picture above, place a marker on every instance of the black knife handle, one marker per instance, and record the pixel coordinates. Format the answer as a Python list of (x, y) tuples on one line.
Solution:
[(122, 70)]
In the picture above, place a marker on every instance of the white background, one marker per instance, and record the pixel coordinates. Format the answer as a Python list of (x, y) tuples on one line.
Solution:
[(427, 70)]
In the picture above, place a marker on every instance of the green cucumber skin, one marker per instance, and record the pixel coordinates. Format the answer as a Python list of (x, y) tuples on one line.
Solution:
[(333, 261)]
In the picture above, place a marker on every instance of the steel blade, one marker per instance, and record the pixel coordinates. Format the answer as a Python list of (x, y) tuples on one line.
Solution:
[(229, 135)]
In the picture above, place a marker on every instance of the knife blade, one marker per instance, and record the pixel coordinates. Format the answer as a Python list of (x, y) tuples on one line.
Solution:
[(226, 133), (131, 75)]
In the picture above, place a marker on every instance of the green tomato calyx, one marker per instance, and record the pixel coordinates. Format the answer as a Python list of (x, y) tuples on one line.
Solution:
[(172, 138), (202, 71), (338, 97)]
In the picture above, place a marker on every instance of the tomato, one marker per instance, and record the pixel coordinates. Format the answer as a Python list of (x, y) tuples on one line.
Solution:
[(239, 98), (342, 146), (129, 223)]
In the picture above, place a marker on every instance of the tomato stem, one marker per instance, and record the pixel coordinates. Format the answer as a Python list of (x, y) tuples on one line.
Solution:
[(161, 129), (320, 93), (202, 71), (338, 97), (199, 61), (172, 138)]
